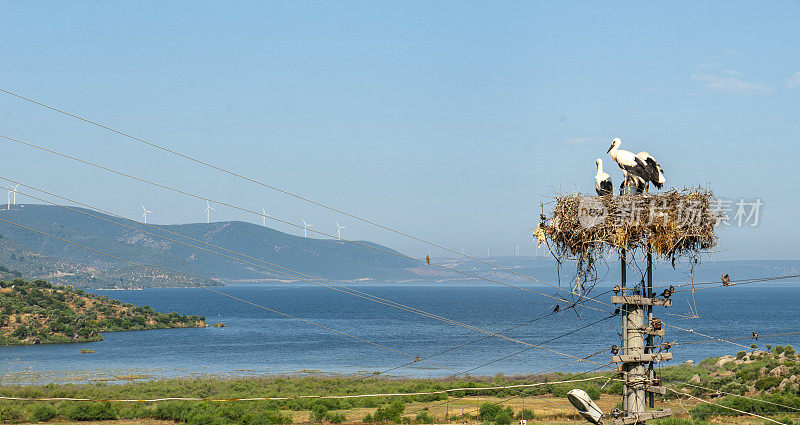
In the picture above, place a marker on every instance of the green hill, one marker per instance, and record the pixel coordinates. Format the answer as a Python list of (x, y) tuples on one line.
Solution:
[(38, 313), (39, 256)]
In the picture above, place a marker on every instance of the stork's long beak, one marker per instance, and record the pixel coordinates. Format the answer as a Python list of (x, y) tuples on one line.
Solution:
[(610, 147)]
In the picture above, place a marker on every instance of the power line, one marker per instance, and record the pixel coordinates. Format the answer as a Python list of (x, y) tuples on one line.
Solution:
[(155, 400), (545, 383), (739, 395), (742, 282), (294, 274), (739, 339), (368, 246), (724, 407), (706, 336), (342, 288), (469, 343), (226, 295), (191, 283), (280, 190)]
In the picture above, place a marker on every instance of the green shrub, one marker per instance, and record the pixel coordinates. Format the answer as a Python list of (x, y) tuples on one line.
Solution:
[(734, 388), (740, 355), (10, 412), (424, 418), (504, 418), (767, 383), (526, 414), (43, 412), (368, 418), (319, 412), (336, 418), (389, 412), (89, 411), (488, 411), (788, 350)]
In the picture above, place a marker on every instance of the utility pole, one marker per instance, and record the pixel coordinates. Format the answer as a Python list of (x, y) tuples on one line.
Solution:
[(637, 356)]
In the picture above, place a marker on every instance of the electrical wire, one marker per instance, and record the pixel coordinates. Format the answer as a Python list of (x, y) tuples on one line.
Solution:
[(739, 396), (739, 339), (285, 314), (466, 344), (227, 295), (260, 183), (155, 400), (368, 246), (706, 336), (295, 274), (724, 407)]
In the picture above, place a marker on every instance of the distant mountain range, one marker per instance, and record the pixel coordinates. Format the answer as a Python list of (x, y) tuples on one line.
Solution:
[(26, 254), (40, 256)]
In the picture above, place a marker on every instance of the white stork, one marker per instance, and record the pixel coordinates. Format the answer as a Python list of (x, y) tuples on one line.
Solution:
[(655, 173), (636, 169), (602, 181)]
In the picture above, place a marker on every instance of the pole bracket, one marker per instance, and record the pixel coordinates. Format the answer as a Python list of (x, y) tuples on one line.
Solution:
[(641, 417), (641, 358), (640, 300)]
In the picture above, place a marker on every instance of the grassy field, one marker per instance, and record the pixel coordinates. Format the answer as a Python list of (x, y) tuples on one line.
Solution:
[(763, 382)]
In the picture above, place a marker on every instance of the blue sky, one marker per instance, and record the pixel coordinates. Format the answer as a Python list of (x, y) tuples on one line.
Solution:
[(451, 121)]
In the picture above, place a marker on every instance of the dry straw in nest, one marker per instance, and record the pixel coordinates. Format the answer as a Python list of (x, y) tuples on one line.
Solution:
[(671, 224)]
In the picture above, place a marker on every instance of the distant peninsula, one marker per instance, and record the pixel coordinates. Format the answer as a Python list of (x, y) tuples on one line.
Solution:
[(40, 313)]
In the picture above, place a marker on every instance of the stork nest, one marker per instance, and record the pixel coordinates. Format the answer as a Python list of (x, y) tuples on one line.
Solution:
[(670, 225)]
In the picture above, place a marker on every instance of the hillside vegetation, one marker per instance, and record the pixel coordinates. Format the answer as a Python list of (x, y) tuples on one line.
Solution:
[(38, 256), (40, 313)]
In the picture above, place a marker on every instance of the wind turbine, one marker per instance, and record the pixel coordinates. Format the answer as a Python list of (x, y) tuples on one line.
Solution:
[(516, 252), (208, 212), (264, 216), (8, 207), (305, 228), (339, 230), (144, 214), (15, 193)]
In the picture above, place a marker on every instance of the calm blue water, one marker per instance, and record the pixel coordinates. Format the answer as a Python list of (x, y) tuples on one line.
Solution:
[(259, 342)]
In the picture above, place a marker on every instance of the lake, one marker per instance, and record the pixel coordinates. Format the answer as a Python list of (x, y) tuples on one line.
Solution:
[(256, 341)]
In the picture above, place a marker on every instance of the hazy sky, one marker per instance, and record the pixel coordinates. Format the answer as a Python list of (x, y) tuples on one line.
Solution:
[(451, 121)]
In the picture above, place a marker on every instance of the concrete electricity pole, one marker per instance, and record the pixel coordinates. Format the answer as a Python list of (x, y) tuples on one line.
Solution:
[(637, 355)]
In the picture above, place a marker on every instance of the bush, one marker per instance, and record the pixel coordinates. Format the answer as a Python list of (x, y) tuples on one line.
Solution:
[(43, 412), (368, 418), (496, 413), (526, 414), (10, 412), (424, 418), (319, 412), (86, 411), (740, 355), (488, 411), (788, 350), (336, 418), (503, 418), (767, 383), (389, 412)]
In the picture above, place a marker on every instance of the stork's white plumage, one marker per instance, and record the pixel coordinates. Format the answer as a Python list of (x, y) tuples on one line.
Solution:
[(634, 169), (602, 181)]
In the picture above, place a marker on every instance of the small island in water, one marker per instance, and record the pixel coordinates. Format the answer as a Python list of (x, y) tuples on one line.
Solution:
[(40, 313)]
